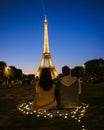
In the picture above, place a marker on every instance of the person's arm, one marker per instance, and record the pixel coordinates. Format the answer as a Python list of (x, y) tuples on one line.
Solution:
[(37, 92)]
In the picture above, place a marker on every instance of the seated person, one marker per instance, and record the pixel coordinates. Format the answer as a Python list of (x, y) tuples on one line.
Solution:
[(68, 90), (45, 89)]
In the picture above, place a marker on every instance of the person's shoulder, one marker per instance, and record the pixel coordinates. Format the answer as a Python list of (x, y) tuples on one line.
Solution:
[(74, 77)]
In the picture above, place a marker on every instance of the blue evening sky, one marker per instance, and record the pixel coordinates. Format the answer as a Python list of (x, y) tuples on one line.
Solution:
[(76, 32)]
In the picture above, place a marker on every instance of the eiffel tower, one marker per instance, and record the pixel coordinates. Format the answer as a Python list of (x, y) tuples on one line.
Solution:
[(46, 56)]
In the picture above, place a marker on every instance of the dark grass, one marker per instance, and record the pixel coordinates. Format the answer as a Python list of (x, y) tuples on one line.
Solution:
[(13, 119), (93, 94)]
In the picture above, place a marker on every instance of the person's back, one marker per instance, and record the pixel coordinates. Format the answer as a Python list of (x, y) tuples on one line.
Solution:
[(45, 89), (45, 97), (69, 90)]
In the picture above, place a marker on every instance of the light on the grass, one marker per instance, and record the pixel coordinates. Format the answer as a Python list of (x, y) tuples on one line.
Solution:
[(83, 127), (76, 114), (79, 120), (51, 116), (65, 117), (38, 115), (73, 116)]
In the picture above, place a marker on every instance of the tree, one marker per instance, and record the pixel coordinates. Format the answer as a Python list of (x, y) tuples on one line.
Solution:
[(77, 71), (18, 74), (95, 69), (13, 72), (2, 70)]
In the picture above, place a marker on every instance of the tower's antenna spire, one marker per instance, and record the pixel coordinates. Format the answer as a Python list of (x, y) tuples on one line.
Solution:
[(44, 10), (45, 17), (46, 56)]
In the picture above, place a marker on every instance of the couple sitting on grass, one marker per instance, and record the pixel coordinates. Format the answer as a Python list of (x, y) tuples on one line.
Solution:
[(52, 95)]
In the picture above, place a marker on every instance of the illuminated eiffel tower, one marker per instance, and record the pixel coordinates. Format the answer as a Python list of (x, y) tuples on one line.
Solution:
[(46, 54)]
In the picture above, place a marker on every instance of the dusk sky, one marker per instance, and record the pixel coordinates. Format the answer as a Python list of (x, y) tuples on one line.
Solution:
[(75, 27)]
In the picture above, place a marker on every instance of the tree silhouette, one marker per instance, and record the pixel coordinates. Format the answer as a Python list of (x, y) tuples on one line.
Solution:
[(95, 69), (2, 70)]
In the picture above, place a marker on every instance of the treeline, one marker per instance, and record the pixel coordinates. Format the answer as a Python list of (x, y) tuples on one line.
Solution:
[(90, 71), (10, 74)]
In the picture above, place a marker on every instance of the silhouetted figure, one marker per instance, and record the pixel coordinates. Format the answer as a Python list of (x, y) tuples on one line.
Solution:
[(45, 89), (68, 90)]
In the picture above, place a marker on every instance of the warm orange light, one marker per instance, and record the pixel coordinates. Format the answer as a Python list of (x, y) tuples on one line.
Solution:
[(46, 54)]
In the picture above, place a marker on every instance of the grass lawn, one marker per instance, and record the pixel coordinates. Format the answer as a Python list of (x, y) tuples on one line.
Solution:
[(12, 119)]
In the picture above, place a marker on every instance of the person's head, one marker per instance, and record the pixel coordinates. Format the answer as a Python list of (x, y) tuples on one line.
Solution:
[(65, 70), (46, 79)]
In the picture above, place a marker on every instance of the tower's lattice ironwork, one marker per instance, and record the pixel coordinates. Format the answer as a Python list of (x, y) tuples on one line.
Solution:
[(46, 56)]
